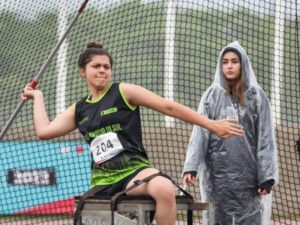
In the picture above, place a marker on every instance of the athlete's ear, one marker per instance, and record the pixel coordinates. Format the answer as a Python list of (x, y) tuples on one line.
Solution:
[(82, 72)]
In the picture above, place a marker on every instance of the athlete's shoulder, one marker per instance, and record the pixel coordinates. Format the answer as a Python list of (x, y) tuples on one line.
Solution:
[(82, 100)]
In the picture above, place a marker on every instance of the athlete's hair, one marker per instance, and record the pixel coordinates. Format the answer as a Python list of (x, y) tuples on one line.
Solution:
[(92, 49), (238, 88)]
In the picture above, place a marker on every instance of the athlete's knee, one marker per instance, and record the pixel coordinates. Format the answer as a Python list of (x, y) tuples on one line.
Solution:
[(163, 190)]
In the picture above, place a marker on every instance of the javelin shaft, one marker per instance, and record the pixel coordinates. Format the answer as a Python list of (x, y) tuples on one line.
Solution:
[(52, 54), (41, 72), (11, 119)]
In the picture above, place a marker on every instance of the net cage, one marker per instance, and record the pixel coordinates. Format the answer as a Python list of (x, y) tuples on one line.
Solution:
[(168, 47)]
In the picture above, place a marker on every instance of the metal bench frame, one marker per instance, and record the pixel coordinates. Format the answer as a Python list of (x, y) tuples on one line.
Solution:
[(141, 207)]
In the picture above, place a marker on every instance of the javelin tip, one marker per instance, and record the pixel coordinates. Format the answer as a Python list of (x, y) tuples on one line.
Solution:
[(82, 6)]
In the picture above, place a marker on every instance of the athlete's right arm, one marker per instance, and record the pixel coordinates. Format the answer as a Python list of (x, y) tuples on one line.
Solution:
[(45, 129)]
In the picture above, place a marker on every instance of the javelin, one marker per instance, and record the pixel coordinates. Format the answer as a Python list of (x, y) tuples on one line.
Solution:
[(35, 81)]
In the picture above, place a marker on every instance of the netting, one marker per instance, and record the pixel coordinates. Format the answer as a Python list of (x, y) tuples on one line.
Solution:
[(169, 47)]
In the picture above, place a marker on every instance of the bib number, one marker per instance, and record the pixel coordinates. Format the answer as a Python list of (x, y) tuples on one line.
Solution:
[(105, 147)]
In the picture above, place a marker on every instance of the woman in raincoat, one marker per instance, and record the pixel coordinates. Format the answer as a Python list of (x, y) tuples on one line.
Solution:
[(237, 174)]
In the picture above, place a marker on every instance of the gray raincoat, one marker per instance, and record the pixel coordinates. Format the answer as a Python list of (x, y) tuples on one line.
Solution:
[(231, 170)]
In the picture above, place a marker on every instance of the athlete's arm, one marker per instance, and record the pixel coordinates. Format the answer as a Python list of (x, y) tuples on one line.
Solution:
[(45, 129), (137, 95)]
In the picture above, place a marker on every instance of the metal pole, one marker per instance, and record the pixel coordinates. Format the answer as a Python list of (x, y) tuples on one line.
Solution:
[(61, 63), (35, 81), (278, 65), (169, 57)]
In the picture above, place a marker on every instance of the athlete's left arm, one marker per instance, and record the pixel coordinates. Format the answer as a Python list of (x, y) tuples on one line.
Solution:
[(137, 95)]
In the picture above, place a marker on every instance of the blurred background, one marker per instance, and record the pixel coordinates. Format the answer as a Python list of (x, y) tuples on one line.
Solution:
[(169, 47)]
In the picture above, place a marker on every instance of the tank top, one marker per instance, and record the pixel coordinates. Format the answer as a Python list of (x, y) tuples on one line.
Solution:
[(112, 114)]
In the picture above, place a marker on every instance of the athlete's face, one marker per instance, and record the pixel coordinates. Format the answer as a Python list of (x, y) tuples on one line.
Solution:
[(97, 72), (231, 66)]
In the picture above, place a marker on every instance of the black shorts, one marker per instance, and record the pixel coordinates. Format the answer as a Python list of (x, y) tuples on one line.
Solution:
[(119, 186)]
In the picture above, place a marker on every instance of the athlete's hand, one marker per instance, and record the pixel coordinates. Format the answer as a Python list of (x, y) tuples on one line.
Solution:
[(29, 92), (226, 128)]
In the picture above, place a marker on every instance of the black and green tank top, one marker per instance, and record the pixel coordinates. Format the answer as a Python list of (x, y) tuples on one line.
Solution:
[(112, 113)]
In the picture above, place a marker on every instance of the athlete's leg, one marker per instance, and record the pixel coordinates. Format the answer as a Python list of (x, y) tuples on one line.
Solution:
[(162, 190)]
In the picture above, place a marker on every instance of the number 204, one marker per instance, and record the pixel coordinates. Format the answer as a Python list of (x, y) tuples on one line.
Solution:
[(103, 147)]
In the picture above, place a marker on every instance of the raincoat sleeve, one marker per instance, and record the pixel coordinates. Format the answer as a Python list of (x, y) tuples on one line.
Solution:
[(266, 146), (198, 144)]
